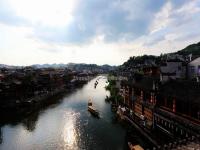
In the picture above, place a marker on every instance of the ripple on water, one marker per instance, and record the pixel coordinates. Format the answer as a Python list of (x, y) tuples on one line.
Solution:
[(70, 132), (68, 125)]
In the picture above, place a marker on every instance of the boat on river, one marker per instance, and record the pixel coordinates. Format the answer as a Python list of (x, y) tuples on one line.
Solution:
[(95, 85), (92, 109), (90, 102)]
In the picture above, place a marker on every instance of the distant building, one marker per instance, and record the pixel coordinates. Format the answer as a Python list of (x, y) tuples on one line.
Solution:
[(194, 68), (173, 68)]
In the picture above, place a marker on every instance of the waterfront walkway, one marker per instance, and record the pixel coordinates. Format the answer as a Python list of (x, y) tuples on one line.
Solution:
[(191, 144), (141, 130)]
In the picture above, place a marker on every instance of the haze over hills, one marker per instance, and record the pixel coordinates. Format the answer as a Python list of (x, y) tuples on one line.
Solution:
[(193, 49), (72, 66)]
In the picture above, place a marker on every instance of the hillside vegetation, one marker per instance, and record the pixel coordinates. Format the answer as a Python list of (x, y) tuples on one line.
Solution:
[(193, 49)]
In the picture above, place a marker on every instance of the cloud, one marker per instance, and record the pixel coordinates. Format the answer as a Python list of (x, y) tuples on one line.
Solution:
[(174, 23), (8, 16), (116, 20), (79, 21), (42, 31)]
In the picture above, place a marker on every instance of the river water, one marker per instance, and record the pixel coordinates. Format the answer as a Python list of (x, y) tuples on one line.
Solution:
[(68, 125)]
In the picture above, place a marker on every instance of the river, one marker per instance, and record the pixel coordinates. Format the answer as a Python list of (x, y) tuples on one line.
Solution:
[(68, 125)]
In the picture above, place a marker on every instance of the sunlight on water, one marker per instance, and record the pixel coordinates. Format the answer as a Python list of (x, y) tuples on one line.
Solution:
[(69, 131), (67, 125), (69, 134)]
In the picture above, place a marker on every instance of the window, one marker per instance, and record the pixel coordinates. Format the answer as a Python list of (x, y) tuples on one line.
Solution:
[(198, 70), (192, 69)]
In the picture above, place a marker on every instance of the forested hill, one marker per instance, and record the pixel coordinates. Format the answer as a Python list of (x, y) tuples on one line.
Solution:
[(193, 49)]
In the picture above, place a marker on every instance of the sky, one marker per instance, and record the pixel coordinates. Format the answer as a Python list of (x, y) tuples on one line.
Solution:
[(94, 31)]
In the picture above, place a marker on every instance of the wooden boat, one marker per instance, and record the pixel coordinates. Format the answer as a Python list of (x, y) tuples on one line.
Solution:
[(93, 111), (90, 102), (96, 83)]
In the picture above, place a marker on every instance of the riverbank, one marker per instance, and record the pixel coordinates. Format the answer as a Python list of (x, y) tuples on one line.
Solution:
[(19, 110), (134, 133), (164, 129)]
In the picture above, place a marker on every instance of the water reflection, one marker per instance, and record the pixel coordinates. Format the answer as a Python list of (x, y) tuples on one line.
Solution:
[(67, 125), (70, 134), (14, 119), (30, 122)]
